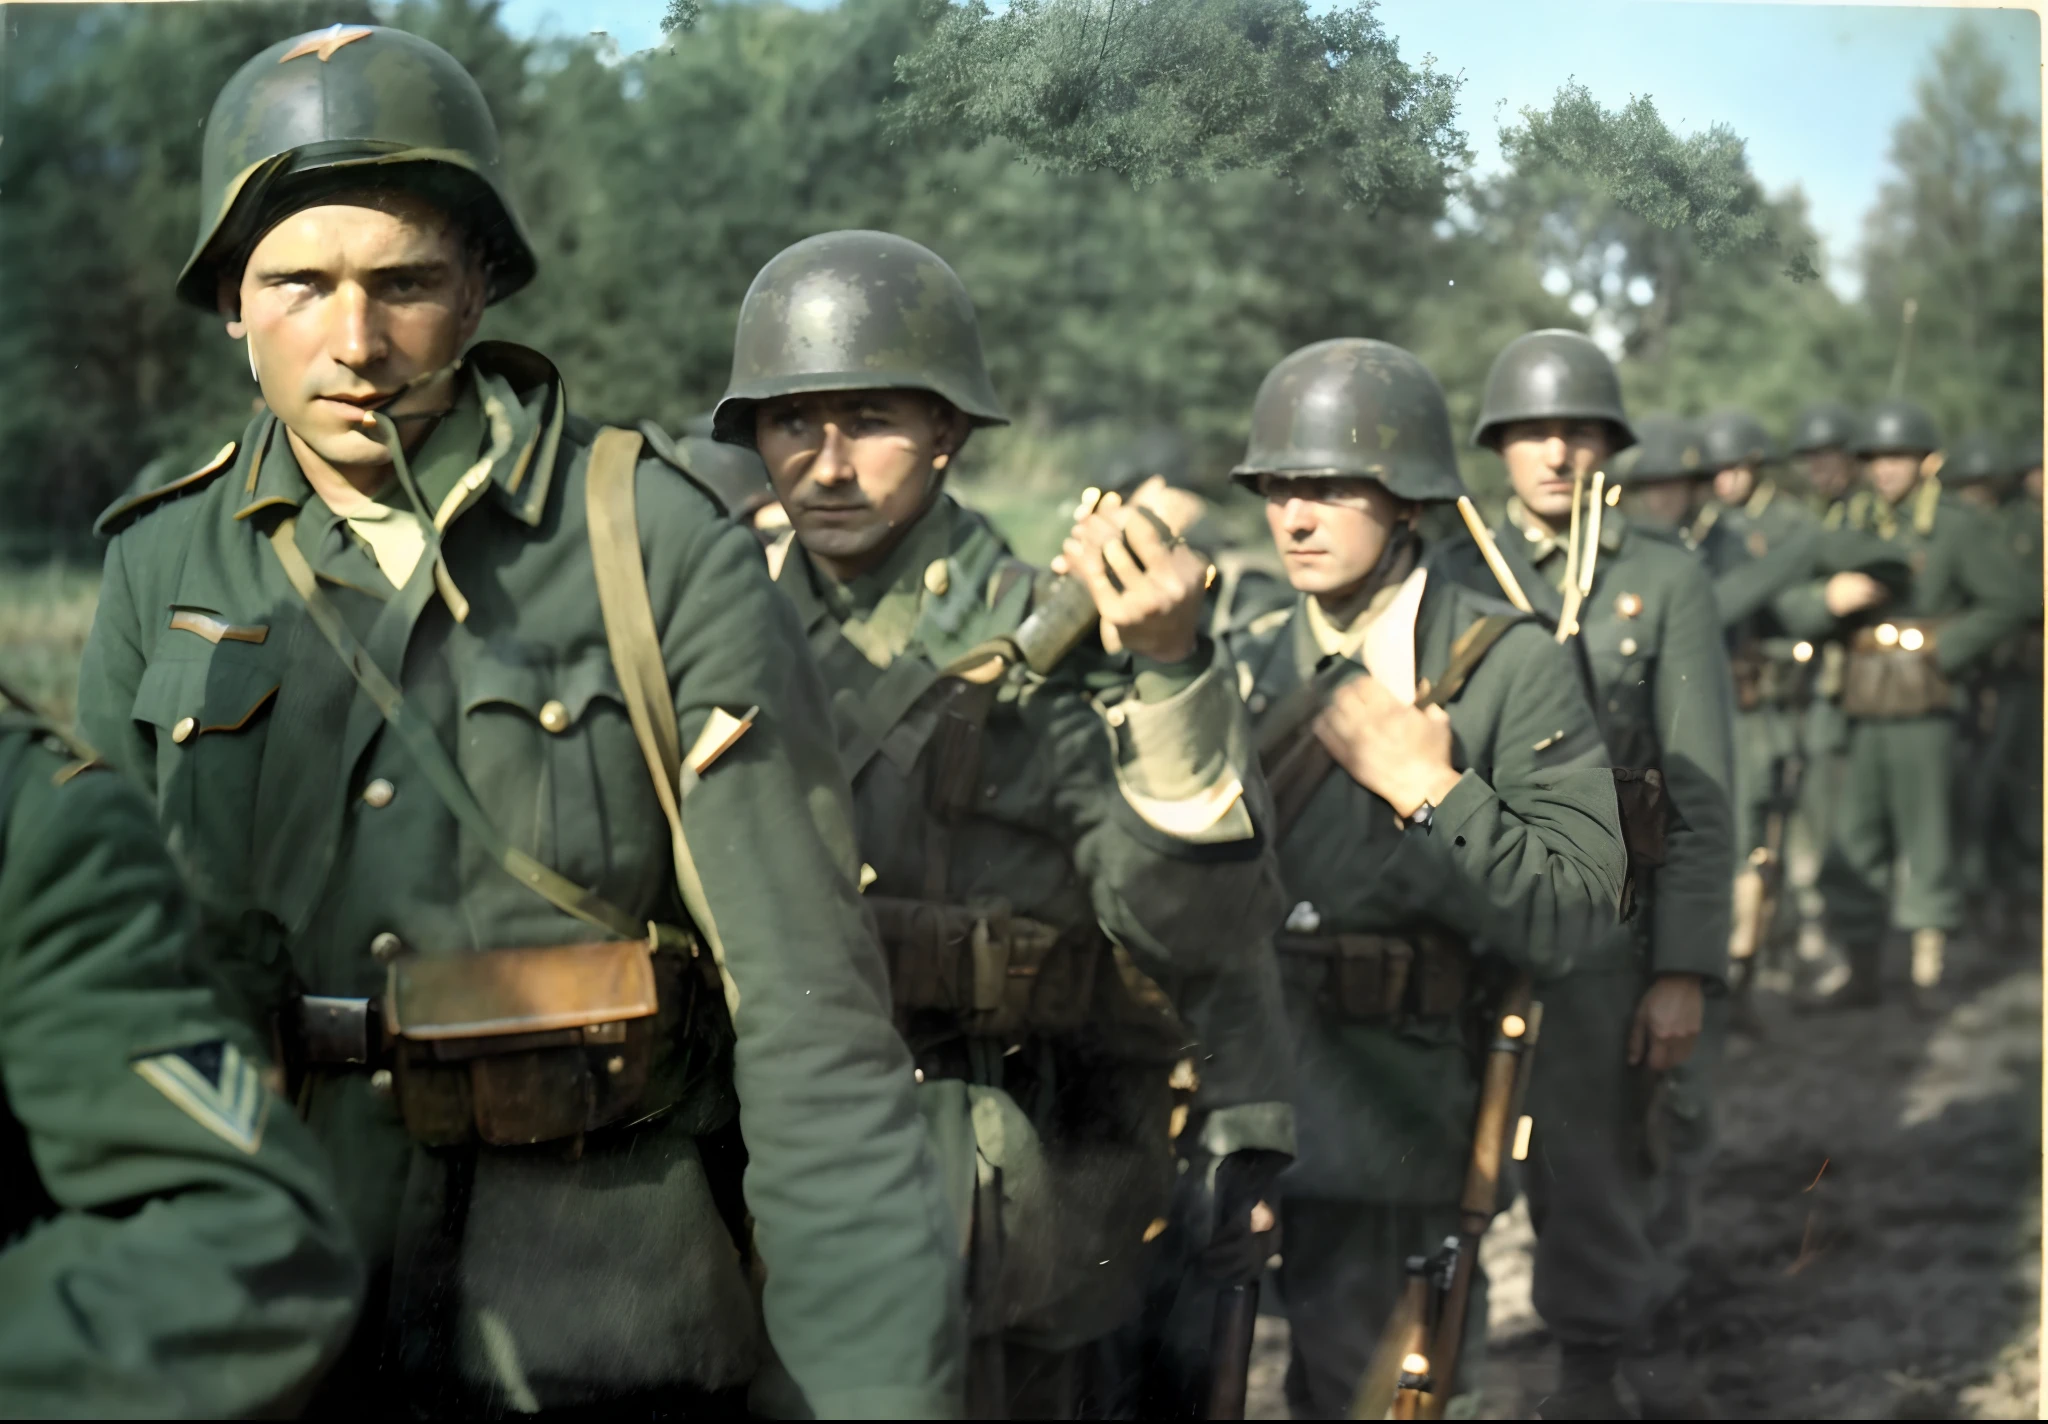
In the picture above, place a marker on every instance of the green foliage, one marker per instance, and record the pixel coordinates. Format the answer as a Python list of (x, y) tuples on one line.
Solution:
[(1158, 89), (681, 16), (656, 187), (1958, 230), (1701, 185)]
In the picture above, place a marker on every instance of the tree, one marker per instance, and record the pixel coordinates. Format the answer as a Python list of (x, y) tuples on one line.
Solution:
[(1958, 230)]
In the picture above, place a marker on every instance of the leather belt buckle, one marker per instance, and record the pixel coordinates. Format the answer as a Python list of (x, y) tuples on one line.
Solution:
[(335, 1031)]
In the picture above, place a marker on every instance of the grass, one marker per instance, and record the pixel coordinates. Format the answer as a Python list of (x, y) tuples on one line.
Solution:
[(45, 612)]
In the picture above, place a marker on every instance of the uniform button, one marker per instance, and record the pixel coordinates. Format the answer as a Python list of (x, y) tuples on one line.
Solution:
[(183, 729), (615, 1064), (1116, 716), (1258, 703), (554, 716), (377, 795), (386, 946), (1628, 647), (937, 578), (380, 1082)]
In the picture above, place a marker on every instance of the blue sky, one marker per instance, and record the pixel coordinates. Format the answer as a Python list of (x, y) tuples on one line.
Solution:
[(1815, 89)]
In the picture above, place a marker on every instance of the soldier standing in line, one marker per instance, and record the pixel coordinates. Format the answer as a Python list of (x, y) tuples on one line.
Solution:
[(534, 967), (1892, 857), (1820, 442), (1446, 820), (1998, 752), (1622, 1105), (174, 1244), (1064, 849)]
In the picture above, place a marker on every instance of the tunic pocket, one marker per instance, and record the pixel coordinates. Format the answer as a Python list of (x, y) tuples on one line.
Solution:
[(208, 707), (547, 746)]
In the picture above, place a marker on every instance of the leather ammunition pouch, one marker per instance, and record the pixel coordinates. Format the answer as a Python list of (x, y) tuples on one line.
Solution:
[(1001, 975), (1768, 675), (511, 1046), (1374, 978), (1885, 679)]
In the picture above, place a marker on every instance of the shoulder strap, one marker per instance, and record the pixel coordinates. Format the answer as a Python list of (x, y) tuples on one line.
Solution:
[(629, 629), (432, 758), (1471, 646)]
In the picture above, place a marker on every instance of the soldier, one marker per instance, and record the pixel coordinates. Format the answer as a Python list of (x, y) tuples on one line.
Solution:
[(410, 669), (1966, 594), (1820, 441), (175, 1247), (1767, 546), (1621, 1101), (1998, 752), (1060, 850), (1471, 833)]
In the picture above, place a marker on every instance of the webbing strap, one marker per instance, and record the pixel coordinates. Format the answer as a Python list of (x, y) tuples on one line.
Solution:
[(613, 514), (433, 759)]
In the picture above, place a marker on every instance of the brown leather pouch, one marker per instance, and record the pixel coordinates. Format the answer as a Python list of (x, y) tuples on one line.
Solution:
[(518, 1046), (1884, 679)]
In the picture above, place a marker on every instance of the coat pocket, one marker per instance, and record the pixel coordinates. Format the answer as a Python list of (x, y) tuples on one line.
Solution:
[(549, 750), (208, 707)]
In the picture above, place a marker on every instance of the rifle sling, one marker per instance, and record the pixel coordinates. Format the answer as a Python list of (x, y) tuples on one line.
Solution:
[(433, 759), (1293, 758)]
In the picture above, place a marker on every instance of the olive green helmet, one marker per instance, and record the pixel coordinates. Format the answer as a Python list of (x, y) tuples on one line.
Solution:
[(1667, 448), (1977, 457), (1827, 425), (1734, 437), (350, 106), (1354, 409), (1551, 375), (850, 311), (1896, 427)]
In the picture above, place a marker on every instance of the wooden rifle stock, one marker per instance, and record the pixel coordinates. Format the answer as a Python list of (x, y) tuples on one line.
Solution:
[(1503, 1086)]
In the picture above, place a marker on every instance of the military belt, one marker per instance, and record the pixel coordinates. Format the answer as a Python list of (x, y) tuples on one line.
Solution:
[(1379, 977), (1769, 672), (1003, 975)]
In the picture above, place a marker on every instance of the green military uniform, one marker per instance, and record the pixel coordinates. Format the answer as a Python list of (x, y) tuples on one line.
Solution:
[(1063, 862), (1759, 551), (360, 834), (1825, 426), (1521, 867), (1997, 751), (1892, 857), (174, 1246), (1618, 1153)]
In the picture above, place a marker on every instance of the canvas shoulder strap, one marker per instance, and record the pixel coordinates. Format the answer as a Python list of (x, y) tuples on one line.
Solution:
[(432, 758), (629, 628)]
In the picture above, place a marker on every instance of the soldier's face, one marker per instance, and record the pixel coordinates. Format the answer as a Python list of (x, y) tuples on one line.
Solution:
[(1543, 457), (1666, 502), (343, 304), (1735, 484), (1892, 476), (1829, 472), (1981, 493), (855, 468), (1330, 533)]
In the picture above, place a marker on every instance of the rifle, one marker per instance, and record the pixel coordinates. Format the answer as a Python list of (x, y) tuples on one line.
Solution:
[(1760, 913), (1414, 1372), (1230, 1349), (1903, 362)]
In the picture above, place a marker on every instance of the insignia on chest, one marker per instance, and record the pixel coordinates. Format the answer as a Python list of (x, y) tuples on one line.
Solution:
[(1629, 605)]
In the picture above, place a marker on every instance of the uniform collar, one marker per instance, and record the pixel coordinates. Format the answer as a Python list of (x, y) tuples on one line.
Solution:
[(504, 430)]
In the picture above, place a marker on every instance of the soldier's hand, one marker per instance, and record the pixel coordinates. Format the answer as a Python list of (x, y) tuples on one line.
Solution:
[(1851, 592), (1147, 588), (1400, 754), (1667, 1022)]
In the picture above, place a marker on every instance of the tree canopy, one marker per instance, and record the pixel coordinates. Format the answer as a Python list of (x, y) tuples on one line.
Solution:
[(1150, 200)]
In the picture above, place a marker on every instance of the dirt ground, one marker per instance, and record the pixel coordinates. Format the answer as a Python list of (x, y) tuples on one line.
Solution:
[(1872, 1237)]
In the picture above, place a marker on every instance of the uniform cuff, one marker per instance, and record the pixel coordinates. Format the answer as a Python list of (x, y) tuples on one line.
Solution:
[(1181, 762), (1161, 682), (1249, 1127), (1460, 804)]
